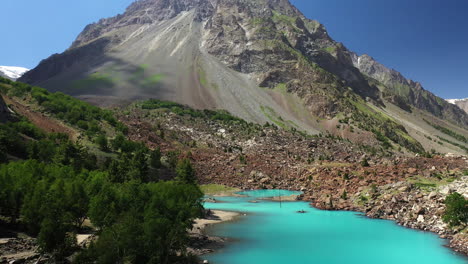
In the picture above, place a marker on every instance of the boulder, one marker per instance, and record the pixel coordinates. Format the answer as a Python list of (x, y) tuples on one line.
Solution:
[(420, 218)]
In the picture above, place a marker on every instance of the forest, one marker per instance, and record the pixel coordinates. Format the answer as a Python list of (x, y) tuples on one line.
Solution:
[(53, 188)]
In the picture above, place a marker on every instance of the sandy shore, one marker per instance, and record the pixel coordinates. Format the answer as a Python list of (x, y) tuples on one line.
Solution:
[(203, 244), (216, 217)]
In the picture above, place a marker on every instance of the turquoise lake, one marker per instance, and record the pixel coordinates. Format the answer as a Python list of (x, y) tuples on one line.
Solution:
[(272, 234)]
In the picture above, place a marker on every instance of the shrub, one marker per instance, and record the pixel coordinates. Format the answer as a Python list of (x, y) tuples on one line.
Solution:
[(364, 162), (456, 212)]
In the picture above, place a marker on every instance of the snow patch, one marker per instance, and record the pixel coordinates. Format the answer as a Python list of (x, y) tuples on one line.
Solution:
[(454, 101), (13, 72)]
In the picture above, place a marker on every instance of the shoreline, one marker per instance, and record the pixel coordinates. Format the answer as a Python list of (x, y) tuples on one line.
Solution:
[(201, 243), (453, 242), (216, 217)]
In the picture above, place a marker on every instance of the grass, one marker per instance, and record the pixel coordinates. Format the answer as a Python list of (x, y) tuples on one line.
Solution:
[(430, 184), (331, 49), (335, 165), (217, 189), (94, 79), (453, 143), (448, 132), (153, 79), (219, 115), (202, 77), (272, 116)]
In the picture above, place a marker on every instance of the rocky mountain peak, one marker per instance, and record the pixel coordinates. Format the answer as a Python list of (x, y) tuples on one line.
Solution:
[(144, 12)]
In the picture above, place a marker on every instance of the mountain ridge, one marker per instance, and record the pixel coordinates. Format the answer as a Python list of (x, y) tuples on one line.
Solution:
[(262, 61), (399, 88)]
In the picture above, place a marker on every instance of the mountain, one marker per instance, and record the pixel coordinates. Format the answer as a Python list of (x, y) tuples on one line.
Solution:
[(400, 90), (12, 73), (462, 103), (261, 60)]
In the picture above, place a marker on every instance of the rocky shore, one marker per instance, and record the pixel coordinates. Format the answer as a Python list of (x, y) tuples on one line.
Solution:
[(421, 209)]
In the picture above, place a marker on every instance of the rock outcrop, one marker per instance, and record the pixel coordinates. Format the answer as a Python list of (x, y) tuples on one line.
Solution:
[(4, 111)]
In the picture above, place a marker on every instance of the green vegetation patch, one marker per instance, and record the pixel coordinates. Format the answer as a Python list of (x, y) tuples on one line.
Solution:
[(202, 77), (89, 118), (453, 143), (456, 212), (57, 184), (217, 189), (152, 80), (93, 80), (270, 113), (383, 126), (448, 132), (330, 49), (220, 115)]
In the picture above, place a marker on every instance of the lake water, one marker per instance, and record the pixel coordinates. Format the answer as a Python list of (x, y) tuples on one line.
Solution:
[(272, 234)]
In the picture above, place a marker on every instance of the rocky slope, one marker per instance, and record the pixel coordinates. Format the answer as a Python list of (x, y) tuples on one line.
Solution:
[(12, 73), (462, 103), (261, 60), (403, 91)]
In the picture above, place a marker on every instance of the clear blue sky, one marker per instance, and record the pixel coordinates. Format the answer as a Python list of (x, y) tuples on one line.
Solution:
[(426, 40)]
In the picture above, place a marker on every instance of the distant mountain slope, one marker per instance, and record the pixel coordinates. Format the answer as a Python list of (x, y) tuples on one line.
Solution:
[(261, 60), (398, 89), (462, 103), (12, 73)]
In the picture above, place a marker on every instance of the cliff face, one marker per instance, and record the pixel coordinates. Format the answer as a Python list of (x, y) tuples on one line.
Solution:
[(4, 111), (261, 60)]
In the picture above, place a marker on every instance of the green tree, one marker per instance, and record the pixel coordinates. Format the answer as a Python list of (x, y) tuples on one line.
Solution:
[(139, 165), (172, 158), (155, 158), (54, 238), (101, 140), (185, 172), (118, 142), (456, 211), (344, 195), (364, 162), (77, 202)]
